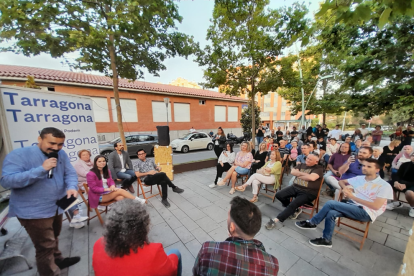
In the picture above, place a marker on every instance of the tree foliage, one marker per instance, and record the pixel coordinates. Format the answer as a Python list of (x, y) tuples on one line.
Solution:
[(246, 38), (359, 12), (114, 37), (373, 66), (312, 70), (246, 118)]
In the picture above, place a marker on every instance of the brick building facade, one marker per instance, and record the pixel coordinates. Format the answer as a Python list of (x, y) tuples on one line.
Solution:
[(142, 103)]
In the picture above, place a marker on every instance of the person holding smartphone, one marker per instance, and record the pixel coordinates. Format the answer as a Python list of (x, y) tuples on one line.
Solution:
[(260, 131), (351, 168)]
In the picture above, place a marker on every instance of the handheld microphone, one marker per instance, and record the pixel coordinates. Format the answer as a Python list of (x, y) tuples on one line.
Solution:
[(52, 154)]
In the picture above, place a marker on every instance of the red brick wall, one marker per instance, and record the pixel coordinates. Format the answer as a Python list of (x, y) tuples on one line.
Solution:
[(201, 116)]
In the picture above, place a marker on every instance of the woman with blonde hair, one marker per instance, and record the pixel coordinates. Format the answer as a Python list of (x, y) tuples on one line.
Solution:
[(268, 174), (242, 164)]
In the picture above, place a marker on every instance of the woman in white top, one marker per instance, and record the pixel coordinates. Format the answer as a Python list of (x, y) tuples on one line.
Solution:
[(268, 174), (225, 162)]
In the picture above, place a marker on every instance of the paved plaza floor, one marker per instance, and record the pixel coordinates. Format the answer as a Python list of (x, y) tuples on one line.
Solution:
[(200, 213)]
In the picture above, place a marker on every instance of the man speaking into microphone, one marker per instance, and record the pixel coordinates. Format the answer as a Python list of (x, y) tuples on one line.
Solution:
[(38, 176)]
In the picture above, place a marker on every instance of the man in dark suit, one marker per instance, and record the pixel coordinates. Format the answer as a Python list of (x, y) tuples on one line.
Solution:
[(121, 167)]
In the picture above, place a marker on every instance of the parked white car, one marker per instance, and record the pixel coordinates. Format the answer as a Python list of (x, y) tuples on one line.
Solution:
[(192, 141)]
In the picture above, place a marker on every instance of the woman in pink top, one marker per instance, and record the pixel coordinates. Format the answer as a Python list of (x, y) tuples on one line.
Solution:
[(101, 186), (294, 152), (242, 164)]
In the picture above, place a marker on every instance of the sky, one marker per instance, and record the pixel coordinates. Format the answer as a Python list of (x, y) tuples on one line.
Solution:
[(196, 20)]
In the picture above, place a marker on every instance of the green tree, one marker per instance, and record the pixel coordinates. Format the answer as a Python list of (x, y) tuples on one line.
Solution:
[(115, 37), (358, 12), (31, 83), (312, 69), (246, 118), (370, 64), (246, 38)]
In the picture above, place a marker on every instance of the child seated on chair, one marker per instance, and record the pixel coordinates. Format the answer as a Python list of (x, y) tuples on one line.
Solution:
[(268, 174), (305, 189), (366, 198), (102, 187)]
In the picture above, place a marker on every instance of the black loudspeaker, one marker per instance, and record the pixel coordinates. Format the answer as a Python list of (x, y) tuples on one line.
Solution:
[(163, 135)]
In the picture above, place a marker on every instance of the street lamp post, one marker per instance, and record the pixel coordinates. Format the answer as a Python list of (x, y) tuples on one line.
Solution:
[(321, 78), (166, 101)]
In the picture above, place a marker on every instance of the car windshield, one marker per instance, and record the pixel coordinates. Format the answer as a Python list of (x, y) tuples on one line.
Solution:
[(187, 136), (115, 140)]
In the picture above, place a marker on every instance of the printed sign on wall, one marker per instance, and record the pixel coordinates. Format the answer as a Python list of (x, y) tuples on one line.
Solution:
[(29, 111)]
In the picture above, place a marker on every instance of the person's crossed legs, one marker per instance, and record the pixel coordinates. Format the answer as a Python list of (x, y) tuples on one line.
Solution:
[(300, 198), (330, 211), (162, 179)]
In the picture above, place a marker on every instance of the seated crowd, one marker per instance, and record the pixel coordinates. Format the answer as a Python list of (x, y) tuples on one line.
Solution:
[(351, 166)]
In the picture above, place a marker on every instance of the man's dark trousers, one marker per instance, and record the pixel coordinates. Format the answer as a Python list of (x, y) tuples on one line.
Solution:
[(301, 198), (162, 179)]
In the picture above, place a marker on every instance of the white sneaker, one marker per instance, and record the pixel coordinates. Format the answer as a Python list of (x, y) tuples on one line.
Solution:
[(212, 185), (232, 191), (393, 205), (78, 218), (143, 201), (219, 179), (77, 225), (101, 208), (411, 213)]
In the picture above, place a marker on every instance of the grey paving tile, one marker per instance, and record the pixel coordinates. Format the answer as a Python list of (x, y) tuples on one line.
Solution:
[(304, 268), (216, 213), (195, 214), (184, 235), (286, 258), (187, 258), (207, 224), (401, 222), (179, 214), (219, 234), (194, 247), (275, 234), (387, 252), (81, 268), (395, 234), (162, 233), (173, 222), (327, 252), (299, 249), (396, 243), (359, 269), (330, 267), (201, 235), (189, 224)]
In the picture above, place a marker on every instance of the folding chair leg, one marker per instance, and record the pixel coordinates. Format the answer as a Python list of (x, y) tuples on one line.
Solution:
[(88, 212), (365, 236), (159, 190), (99, 216)]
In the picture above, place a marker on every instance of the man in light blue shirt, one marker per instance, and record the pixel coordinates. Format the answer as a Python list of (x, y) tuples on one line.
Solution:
[(34, 195)]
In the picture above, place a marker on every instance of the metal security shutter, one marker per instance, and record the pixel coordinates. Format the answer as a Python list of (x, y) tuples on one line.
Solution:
[(128, 108), (100, 109), (181, 112)]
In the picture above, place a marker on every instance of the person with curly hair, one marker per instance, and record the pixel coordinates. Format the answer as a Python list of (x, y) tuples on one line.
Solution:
[(125, 249)]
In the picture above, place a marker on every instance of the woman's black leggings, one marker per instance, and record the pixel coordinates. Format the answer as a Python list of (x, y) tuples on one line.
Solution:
[(221, 170), (218, 150)]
